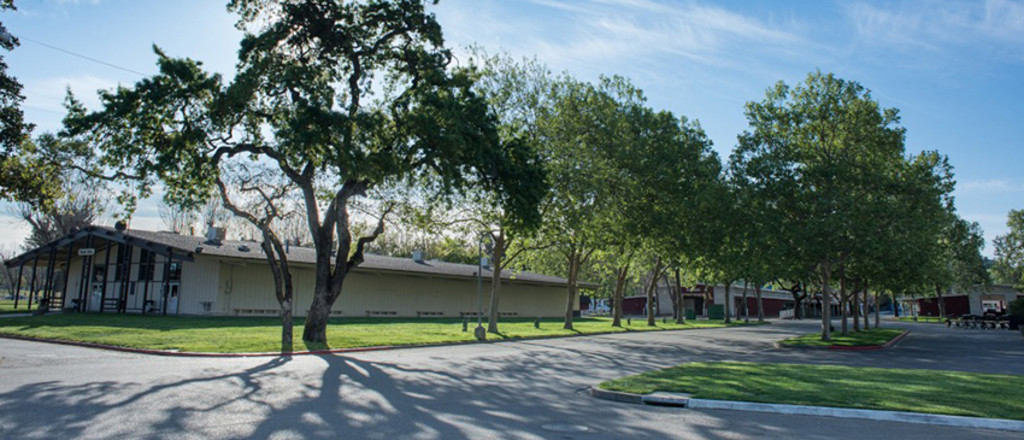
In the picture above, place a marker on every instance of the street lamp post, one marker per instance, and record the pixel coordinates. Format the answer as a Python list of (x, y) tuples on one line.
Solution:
[(480, 332)]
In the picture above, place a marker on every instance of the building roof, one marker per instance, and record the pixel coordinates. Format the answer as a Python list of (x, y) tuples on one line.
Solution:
[(188, 247)]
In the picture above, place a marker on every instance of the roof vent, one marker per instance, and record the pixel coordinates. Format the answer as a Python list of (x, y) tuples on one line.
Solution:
[(417, 256), (243, 248), (215, 235)]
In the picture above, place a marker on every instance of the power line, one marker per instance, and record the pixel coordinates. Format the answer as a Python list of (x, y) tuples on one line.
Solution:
[(83, 56)]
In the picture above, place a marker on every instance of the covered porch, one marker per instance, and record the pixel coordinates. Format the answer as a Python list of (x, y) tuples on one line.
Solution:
[(100, 269)]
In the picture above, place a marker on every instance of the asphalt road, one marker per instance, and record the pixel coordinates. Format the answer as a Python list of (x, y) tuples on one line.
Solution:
[(532, 389)]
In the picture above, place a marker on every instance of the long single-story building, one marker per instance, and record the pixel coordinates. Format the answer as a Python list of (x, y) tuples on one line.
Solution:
[(976, 301), (122, 270), (701, 296)]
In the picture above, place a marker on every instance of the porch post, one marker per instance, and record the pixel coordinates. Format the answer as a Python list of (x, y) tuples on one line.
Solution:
[(32, 285), (17, 290), (85, 277), (146, 274), (67, 275), (126, 276), (52, 261), (167, 282), (106, 272)]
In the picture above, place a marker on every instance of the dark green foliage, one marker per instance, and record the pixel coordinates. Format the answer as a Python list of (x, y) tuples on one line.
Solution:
[(1009, 250), (1017, 308)]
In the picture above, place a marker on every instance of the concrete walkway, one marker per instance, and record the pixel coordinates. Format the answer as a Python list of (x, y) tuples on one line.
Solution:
[(528, 389)]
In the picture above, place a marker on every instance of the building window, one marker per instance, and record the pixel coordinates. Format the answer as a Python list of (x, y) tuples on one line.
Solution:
[(175, 271), (99, 273), (147, 265), (119, 263)]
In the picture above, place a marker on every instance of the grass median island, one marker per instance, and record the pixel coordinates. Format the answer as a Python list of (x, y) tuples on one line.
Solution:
[(246, 335), (927, 391), (863, 338)]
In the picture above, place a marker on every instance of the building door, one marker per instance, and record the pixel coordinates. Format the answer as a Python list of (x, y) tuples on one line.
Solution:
[(135, 297), (172, 298), (96, 281)]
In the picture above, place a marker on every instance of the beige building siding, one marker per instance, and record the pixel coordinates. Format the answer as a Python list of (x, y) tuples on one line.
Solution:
[(248, 289), (223, 286), (200, 280), (74, 281)]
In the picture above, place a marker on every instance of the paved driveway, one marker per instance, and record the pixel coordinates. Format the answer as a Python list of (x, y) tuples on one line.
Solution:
[(531, 389)]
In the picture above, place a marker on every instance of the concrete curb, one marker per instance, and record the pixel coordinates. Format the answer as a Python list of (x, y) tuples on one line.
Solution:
[(863, 414), (203, 354), (887, 345), (336, 350), (616, 396), (684, 400)]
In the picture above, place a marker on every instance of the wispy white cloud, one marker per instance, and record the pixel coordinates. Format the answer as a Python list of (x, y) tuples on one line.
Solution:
[(990, 25), (608, 35), (989, 186), (640, 29)]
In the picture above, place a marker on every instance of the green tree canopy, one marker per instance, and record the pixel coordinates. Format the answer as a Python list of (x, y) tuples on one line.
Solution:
[(1009, 250), (818, 152)]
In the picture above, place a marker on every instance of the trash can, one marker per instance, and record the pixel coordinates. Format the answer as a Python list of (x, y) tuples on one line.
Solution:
[(716, 311), (690, 314)]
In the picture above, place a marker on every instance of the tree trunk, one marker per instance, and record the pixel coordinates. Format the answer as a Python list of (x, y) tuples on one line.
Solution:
[(855, 309), (672, 294), (826, 301), (287, 325), (895, 310), (728, 303), (760, 303), (620, 285), (942, 304), (867, 308), (571, 289), (314, 333), (277, 261), (680, 304), (799, 293), (843, 300), (878, 312), (651, 289), (746, 305), (330, 275), (499, 261)]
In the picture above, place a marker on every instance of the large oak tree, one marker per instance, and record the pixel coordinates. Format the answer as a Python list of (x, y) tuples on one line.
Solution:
[(335, 97)]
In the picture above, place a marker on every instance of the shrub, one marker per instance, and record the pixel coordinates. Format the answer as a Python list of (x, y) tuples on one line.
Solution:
[(1017, 308)]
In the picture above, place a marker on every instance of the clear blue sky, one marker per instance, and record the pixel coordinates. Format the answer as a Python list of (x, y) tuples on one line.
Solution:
[(955, 69)]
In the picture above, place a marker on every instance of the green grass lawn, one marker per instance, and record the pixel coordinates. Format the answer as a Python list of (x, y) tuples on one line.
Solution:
[(241, 335), (7, 306), (928, 319), (875, 336), (927, 391)]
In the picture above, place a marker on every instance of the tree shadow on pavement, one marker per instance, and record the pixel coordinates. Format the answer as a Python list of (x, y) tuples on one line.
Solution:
[(522, 389)]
